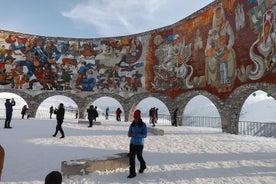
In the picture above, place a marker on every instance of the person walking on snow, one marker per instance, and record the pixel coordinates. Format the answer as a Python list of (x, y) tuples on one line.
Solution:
[(60, 117), (137, 132)]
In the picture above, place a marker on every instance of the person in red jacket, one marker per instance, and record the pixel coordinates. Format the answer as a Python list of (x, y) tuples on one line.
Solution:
[(118, 114)]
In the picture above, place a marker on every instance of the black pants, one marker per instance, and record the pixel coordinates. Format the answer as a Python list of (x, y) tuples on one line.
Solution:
[(8, 120), (118, 118), (174, 122), (59, 128), (136, 150), (90, 122)]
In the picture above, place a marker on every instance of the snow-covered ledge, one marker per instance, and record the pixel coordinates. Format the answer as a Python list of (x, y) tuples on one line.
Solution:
[(89, 165)]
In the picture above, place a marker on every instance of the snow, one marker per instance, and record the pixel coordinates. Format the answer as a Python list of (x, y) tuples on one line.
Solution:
[(186, 155)]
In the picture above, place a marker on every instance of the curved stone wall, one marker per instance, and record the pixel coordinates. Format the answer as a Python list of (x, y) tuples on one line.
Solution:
[(216, 51)]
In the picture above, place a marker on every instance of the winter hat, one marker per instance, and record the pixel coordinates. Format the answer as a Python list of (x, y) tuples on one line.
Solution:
[(137, 114), (53, 177)]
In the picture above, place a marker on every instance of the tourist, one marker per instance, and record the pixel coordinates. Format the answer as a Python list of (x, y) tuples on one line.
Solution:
[(77, 113), (51, 111), (96, 114), (175, 112), (91, 115), (53, 177), (24, 111), (9, 109), (137, 132), (60, 117), (106, 113), (118, 114)]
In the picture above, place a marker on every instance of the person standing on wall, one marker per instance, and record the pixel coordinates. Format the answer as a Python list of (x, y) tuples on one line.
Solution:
[(137, 132), (60, 117), (9, 109)]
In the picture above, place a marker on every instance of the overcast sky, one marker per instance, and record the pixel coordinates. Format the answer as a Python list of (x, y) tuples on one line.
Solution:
[(93, 18)]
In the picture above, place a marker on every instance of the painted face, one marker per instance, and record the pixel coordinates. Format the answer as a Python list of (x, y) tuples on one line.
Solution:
[(219, 18)]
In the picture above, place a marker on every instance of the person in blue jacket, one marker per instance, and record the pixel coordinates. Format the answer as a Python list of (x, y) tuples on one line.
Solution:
[(137, 132)]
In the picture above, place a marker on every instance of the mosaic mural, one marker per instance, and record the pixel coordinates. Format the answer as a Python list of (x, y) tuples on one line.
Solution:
[(217, 49), (230, 43), (41, 63)]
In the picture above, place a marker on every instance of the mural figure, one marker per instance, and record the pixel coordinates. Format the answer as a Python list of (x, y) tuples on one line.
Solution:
[(220, 69), (262, 19), (172, 72)]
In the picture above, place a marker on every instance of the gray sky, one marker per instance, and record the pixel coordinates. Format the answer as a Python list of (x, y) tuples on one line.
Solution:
[(93, 18)]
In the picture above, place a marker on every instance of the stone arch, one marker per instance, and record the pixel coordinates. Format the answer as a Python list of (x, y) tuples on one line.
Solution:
[(253, 108), (38, 99), (86, 101), (20, 93), (23, 94), (186, 97), (132, 102), (233, 104)]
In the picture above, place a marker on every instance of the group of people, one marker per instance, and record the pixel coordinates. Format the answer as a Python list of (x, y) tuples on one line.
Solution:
[(137, 132), (92, 114)]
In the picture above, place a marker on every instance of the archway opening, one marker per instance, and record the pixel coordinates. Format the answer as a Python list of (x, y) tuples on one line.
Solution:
[(258, 115), (163, 114), (108, 104), (200, 111), (19, 103), (70, 107)]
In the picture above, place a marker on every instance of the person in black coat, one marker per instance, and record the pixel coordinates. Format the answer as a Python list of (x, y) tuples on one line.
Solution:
[(60, 117), (175, 113), (9, 108), (91, 111), (24, 111), (51, 111), (53, 177)]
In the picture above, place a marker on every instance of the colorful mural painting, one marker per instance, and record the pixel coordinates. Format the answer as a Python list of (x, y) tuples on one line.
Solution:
[(217, 49), (41, 63)]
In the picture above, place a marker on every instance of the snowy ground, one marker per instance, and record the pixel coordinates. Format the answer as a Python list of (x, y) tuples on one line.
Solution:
[(183, 155)]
